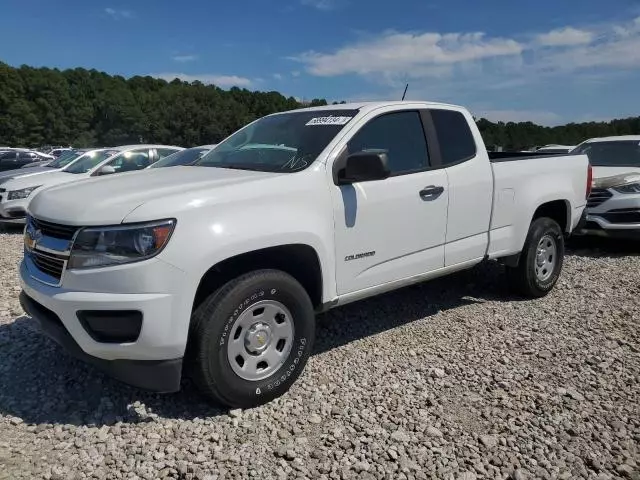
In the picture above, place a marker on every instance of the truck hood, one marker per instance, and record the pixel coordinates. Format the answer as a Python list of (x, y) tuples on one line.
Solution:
[(23, 172), (602, 172), (108, 200)]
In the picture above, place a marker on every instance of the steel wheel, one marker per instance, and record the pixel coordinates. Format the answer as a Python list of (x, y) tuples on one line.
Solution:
[(260, 340), (546, 258)]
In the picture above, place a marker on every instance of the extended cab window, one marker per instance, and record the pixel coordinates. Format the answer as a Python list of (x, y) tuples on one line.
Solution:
[(400, 135), (454, 136)]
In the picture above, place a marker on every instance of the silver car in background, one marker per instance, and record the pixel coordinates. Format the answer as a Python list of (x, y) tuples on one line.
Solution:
[(613, 208)]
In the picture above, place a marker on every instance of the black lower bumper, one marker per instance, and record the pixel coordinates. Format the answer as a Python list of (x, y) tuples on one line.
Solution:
[(161, 376)]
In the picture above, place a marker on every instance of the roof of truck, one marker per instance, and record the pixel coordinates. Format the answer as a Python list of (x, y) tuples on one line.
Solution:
[(373, 105), (631, 138)]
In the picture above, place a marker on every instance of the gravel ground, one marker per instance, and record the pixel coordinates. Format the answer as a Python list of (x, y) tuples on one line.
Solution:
[(453, 379)]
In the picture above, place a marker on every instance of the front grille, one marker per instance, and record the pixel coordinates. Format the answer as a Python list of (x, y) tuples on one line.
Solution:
[(48, 264), (55, 230), (622, 215), (16, 214), (598, 196)]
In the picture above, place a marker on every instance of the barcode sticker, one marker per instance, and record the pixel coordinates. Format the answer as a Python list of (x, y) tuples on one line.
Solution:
[(331, 120)]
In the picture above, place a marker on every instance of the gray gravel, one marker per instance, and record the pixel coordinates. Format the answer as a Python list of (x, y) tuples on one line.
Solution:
[(453, 379)]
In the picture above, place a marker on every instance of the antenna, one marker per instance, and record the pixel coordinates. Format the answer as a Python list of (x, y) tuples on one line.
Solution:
[(405, 91)]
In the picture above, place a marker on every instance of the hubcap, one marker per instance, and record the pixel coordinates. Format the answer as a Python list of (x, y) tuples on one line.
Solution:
[(260, 340), (546, 258)]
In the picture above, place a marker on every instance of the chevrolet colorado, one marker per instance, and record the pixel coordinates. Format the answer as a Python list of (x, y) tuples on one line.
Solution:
[(216, 269)]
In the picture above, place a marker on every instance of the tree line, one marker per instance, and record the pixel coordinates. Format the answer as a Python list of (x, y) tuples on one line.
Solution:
[(83, 107)]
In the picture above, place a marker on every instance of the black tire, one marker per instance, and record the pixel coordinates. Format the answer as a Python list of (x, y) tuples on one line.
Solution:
[(211, 329), (523, 278)]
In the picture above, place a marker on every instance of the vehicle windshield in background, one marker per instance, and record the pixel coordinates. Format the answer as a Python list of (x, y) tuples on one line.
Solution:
[(88, 161), (617, 153), (65, 159), (287, 142), (183, 157)]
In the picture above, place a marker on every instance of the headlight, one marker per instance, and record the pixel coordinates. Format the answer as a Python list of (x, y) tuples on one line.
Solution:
[(103, 246), (24, 193), (628, 188)]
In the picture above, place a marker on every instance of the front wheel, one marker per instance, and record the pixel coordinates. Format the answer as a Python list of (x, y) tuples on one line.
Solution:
[(541, 259), (251, 339)]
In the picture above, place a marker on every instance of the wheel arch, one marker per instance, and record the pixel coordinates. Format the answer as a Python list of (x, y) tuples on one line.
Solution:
[(299, 260), (557, 210)]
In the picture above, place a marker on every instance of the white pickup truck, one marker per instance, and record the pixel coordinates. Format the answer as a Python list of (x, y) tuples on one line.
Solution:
[(217, 269)]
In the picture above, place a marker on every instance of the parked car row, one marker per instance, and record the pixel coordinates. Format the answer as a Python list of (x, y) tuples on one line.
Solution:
[(13, 158), (17, 186)]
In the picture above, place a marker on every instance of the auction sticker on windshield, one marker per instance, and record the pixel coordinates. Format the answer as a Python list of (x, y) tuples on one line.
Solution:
[(329, 121)]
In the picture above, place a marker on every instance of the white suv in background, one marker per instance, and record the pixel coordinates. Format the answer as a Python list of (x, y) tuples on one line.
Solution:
[(613, 209), (16, 192)]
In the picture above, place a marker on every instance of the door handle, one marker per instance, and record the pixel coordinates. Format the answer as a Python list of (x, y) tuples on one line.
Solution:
[(431, 192)]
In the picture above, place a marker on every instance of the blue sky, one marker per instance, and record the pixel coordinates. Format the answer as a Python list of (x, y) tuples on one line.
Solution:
[(549, 61)]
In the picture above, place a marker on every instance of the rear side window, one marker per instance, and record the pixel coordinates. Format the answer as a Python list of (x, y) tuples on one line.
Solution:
[(400, 135), (454, 136)]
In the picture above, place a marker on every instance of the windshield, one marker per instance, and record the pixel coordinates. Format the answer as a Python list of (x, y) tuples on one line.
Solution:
[(89, 160), (183, 157), (65, 159), (620, 153), (287, 142)]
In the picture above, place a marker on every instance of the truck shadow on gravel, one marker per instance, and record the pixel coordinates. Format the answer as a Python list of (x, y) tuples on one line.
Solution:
[(42, 385)]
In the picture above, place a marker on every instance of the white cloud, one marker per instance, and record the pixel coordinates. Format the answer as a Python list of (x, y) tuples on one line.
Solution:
[(222, 81), (118, 14), (324, 5), (565, 37), (184, 58), (617, 47), (277, 76), (394, 57), (419, 53)]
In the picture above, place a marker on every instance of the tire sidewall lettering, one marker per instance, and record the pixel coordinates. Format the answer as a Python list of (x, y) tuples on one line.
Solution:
[(282, 376)]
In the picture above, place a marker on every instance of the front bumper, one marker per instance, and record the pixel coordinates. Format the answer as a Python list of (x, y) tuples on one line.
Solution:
[(618, 216), (155, 375), (155, 289)]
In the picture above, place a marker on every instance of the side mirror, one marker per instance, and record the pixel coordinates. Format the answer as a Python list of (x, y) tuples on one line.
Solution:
[(106, 170), (362, 167)]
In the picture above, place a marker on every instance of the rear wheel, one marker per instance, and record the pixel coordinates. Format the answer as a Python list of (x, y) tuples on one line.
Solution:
[(541, 259), (251, 339)]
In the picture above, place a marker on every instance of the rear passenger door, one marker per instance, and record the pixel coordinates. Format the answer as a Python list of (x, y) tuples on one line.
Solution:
[(470, 180), (393, 229)]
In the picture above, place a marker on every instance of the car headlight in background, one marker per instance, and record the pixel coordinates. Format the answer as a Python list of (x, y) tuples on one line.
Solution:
[(23, 193), (104, 246), (628, 188)]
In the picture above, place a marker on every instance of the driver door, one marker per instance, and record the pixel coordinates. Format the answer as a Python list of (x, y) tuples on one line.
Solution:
[(393, 229)]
